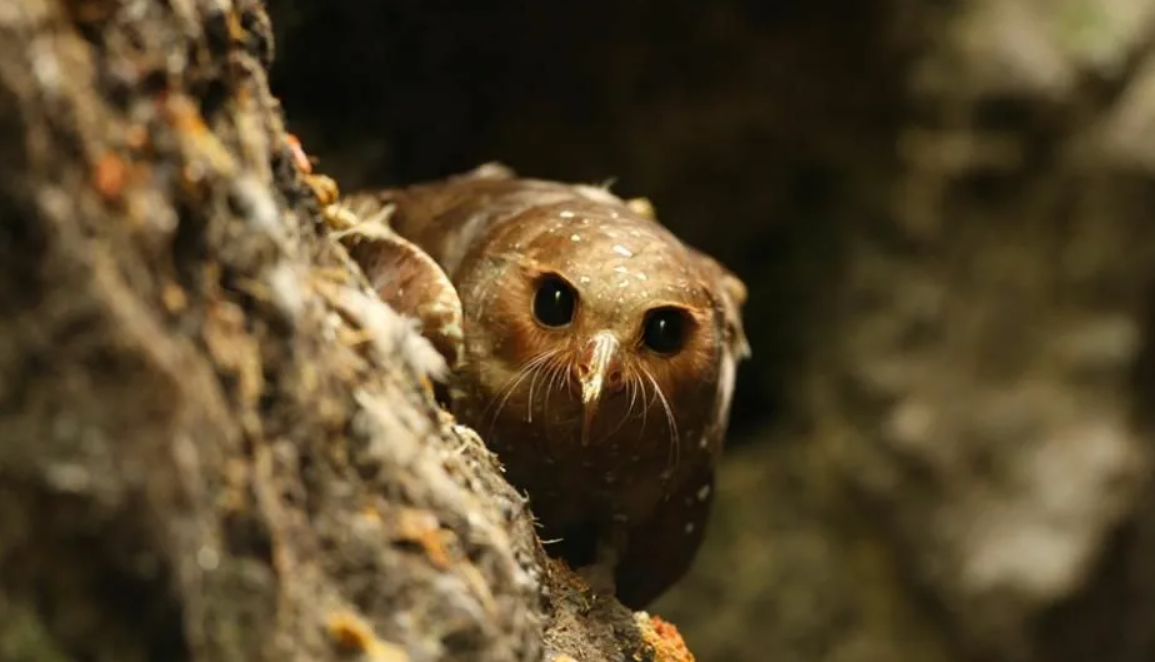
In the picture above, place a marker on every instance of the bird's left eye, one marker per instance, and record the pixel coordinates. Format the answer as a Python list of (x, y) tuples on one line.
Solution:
[(665, 330)]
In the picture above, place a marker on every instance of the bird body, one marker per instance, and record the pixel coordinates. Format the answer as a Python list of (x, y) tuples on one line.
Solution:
[(597, 359)]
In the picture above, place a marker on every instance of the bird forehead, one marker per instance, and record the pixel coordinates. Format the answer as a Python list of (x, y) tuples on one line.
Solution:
[(619, 264), (597, 241), (627, 271)]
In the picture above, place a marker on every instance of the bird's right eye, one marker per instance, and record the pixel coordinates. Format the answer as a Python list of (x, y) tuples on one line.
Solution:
[(665, 330), (555, 302)]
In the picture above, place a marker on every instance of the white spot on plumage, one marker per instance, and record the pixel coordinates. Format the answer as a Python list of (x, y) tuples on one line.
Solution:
[(575, 237), (622, 250)]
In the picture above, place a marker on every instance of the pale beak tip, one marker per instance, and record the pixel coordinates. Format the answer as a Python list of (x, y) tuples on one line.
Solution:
[(591, 391), (603, 349), (591, 394)]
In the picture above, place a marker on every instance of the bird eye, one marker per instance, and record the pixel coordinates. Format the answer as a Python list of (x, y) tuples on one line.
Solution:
[(665, 330), (554, 303)]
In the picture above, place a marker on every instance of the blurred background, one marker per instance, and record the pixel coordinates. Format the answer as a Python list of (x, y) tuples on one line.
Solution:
[(945, 213)]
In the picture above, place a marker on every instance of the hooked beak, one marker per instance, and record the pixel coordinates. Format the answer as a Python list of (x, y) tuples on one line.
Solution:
[(597, 366)]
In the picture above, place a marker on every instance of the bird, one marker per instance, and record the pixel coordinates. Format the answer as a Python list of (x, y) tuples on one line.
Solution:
[(592, 350)]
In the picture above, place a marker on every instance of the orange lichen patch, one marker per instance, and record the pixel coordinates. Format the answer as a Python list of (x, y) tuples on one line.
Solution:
[(422, 528), (325, 189), (352, 634), (300, 158), (181, 113), (110, 177), (663, 638), (370, 514), (199, 143), (236, 30)]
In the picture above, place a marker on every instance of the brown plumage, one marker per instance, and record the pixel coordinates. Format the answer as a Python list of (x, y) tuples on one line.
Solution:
[(598, 360)]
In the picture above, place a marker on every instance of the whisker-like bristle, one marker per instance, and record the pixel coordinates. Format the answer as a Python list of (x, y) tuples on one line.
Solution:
[(670, 421), (557, 374), (530, 368), (529, 398), (633, 386), (629, 410), (646, 404)]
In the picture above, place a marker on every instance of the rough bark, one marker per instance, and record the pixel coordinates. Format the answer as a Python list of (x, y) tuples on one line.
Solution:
[(215, 444)]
